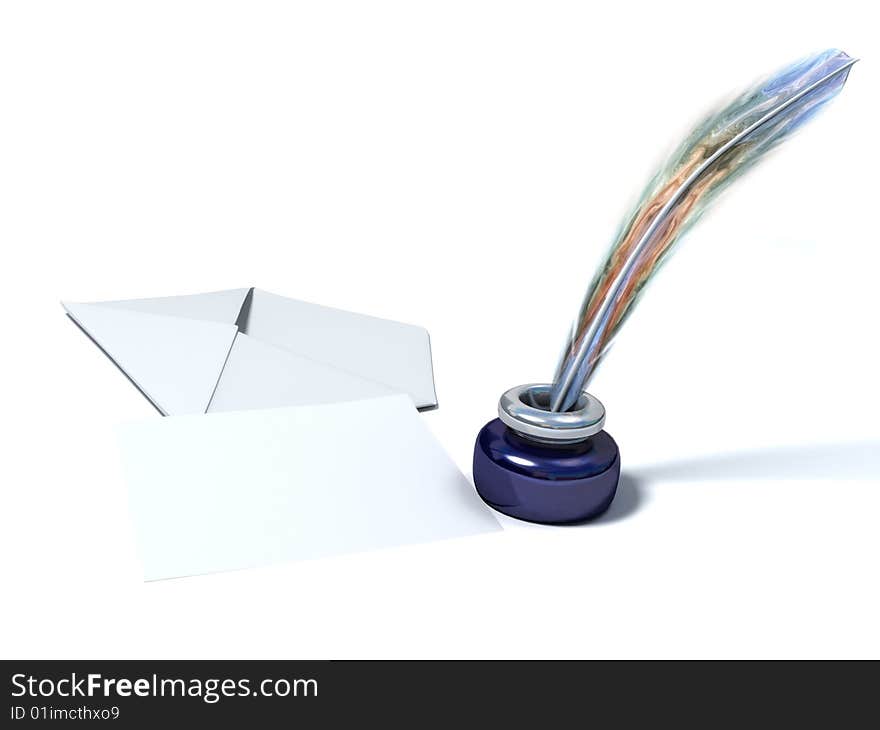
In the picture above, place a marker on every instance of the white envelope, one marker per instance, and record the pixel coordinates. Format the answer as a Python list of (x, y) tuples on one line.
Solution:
[(244, 349)]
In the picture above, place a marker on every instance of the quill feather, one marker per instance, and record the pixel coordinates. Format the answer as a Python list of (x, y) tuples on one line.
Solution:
[(716, 152)]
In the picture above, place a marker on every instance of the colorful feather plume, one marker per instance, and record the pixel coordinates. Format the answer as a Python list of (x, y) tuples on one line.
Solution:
[(716, 152)]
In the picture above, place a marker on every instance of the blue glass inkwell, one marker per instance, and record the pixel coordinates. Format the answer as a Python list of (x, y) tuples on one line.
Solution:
[(543, 466), (546, 458)]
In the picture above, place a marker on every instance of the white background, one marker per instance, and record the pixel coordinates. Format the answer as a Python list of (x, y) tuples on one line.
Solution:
[(462, 166)]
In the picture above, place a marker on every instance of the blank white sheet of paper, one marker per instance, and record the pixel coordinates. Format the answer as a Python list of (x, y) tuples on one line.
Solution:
[(235, 490)]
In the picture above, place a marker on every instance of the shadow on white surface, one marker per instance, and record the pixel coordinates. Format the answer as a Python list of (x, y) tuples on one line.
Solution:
[(848, 461), (629, 498)]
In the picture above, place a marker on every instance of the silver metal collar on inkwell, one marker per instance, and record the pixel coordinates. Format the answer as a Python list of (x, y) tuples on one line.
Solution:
[(526, 410)]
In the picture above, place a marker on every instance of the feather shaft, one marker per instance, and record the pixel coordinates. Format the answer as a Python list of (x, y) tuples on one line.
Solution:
[(719, 149)]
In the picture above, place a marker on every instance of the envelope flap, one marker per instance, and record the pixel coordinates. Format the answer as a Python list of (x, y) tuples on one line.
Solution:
[(174, 361), (259, 375), (216, 306), (394, 354)]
